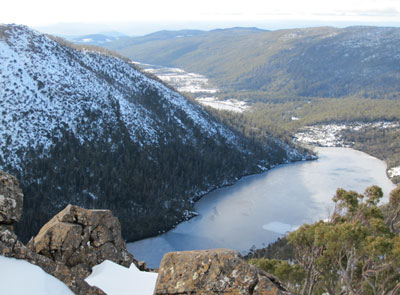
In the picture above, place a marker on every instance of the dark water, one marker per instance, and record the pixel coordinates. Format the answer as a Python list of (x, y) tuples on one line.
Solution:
[(260, 208)]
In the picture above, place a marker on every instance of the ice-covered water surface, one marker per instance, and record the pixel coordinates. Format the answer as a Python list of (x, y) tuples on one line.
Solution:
[(260, 208)]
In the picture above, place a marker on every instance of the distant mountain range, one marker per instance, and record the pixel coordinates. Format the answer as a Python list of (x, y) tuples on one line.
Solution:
[(313, 62), (88, 128), (96, 39)]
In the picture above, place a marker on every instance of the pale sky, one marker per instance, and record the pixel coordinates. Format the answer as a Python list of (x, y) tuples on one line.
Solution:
[(38, 13)]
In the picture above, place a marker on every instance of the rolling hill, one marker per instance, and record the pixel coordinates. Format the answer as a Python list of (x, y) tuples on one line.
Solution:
[(312, 62)]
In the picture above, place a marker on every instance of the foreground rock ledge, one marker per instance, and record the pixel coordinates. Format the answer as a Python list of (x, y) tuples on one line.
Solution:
[(83, 238), (220, 271)]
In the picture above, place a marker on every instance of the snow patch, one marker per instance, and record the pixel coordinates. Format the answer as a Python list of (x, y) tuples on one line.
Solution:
[(115, 279), (395, 171), (19, 277)]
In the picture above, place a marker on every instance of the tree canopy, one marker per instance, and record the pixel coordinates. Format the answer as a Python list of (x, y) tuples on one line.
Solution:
[(357, 251)]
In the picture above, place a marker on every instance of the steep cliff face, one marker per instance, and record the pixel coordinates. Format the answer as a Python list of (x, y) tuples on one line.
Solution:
[(82, 127)]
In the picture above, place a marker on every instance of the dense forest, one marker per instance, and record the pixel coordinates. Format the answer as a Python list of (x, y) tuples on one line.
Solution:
[(135, 183), (356, 251)]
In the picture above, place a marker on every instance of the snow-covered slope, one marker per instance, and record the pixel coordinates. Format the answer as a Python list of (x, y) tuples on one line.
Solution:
[(46, 87), (83, 127)]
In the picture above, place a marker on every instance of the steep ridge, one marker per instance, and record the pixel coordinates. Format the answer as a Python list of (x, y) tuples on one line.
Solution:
[(82, 127), (310, 62)]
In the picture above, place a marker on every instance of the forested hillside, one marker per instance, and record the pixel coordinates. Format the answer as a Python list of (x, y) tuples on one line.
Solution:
[(89, 128), (293, 78), (313, 62)]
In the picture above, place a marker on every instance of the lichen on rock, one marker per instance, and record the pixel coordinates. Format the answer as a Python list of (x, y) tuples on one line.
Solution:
[(219, 271)]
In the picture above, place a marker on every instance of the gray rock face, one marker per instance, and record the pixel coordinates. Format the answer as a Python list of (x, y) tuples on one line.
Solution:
[(78, 236), (219, 271), (11, 199)]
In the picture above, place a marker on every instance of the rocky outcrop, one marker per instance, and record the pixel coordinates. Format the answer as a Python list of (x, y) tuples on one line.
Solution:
[(82, 238), (11, 199), (10, 246), (219, 271)]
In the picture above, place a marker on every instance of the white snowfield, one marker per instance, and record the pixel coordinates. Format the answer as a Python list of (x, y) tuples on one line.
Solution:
[(47, 88), (19, 277), (115, 279)]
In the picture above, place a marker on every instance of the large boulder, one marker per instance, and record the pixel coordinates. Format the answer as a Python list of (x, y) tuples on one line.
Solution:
[(219, 271), (11, 199), (10, 246), (82, 238)]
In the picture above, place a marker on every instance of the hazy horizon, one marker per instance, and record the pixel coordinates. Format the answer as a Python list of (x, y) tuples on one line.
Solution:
[(76, 17), (143, 28)]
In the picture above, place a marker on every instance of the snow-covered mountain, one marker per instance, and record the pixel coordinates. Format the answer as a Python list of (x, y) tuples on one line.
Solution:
[(47, 87), (84, 127)]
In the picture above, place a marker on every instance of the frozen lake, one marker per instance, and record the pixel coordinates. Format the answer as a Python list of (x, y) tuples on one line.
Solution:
[(258, 209)]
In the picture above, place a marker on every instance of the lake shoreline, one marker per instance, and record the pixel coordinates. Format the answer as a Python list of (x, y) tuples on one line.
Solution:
[(262, 207)]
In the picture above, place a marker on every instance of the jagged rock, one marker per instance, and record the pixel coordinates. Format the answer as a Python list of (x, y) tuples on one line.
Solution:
[(10, 246), (78, 236), (219, 271), (11, 199)]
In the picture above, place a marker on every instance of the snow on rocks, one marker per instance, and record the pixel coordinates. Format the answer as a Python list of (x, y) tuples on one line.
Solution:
[(115, 279)]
